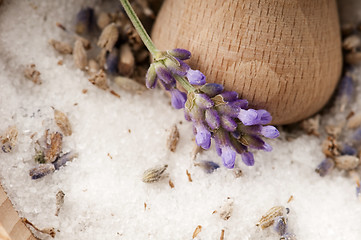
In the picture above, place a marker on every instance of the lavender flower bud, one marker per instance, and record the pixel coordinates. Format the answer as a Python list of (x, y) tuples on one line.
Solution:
[(228, 156), (269, 132), (176, 66), (203, 101), (348, 150), (325, 167), (195, 77), (228, 123), (212, 118), (84, 20), (208, 166), (212, 89), (254, 117), (41, 170), (255, 142), (228, 109), (239, 147), (229, 96), (345, 91), (178, 98), (180, 53), (247, 158), (203, 136), (280, 225), (112, 61), (151, 77), (164, 74)]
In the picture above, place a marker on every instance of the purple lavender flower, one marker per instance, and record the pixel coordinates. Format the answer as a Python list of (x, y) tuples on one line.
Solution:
[(195, 77), (325, 167), (178, 98), (215, 113)]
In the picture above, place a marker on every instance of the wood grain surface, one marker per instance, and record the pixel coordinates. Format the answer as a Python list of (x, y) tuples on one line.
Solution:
[(11, 226), (280, 55)]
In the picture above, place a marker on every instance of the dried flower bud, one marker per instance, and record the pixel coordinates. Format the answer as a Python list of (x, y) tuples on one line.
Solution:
[(54, 148), (347, 162), (103, 20), (203, 101), (80, 55), (180, 53), (270, 216), (351, 42), (129, 85), (154, 174), (325, 167), (100, 80), (211, 89), (207, 166), (93, 66), (280, 225), (175, 66), (354, 121), (126, 61), (41, 170), (195, 77), (112, 61), (225, 211), (63, 122), (288, 236), (31, 73), (212, 118), (61, 47), (9, 140), (108, 37), (61, 161), (173, 139), (84, 20), (59, 201)]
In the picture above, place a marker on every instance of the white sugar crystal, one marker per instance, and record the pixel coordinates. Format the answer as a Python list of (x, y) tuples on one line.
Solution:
[(104, 196)]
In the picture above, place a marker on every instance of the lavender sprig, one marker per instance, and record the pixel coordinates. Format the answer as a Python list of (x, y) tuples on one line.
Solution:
[(214, 112)]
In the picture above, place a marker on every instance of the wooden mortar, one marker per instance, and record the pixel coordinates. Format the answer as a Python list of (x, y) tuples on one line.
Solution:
[(280, 55)]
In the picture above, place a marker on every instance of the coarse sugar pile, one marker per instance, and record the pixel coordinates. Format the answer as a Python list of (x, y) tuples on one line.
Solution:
[(118, 138)]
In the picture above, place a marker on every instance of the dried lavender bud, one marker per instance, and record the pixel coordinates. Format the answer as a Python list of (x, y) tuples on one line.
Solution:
[(103, 20), (63, 122), (207, 166), (108, 37), (347, 162), (348, 150), (280, 225), (228, 123), (154, 174), (80, 55), (59, 201), (212, 118), (41, 170), (164, 74), (225, 211), (112, 61), (176, 66), (100, 80), (269, 218), (61, 161), (311, 125), (31, 73), (93, 66), (129, 85), (126, 61), (84, 20), (288, 236), (254, 117), (54, 148), (178, 98), (325, 167), (9, 140), (358, 192), (354, 121), (345, 92), (61, 47), (351, 42), (173, 139), (203, 101)]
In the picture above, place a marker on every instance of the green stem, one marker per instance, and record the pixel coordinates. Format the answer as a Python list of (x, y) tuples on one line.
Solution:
[(139, 27), (185, 84)]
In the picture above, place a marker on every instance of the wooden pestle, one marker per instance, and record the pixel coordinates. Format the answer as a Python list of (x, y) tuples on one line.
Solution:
[(281, 55)]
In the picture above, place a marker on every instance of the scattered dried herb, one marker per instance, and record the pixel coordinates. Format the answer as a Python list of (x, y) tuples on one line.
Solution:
[(197, 231), (173, 138), (59, 201), (9, 139), (31, 73), (63, 122), (154, 174)]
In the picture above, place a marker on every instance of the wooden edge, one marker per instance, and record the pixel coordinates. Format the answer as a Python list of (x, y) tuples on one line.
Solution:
[(11, 226)]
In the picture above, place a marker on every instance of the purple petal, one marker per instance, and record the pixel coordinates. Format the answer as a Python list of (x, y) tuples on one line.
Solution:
[(270, 132), (178, 98), (195, 77), (180, 53), (212, 118), (164, 74), (248, 117), (228, 123), (228, 156), (247, 158), (203, 101), (240, 103), (255, 142), (151, 77), (208, 166), (264, 117), (212, 89), (267, 147), (203, 136), (178, 68), (229, 110), (218, 145), (229, 96)]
